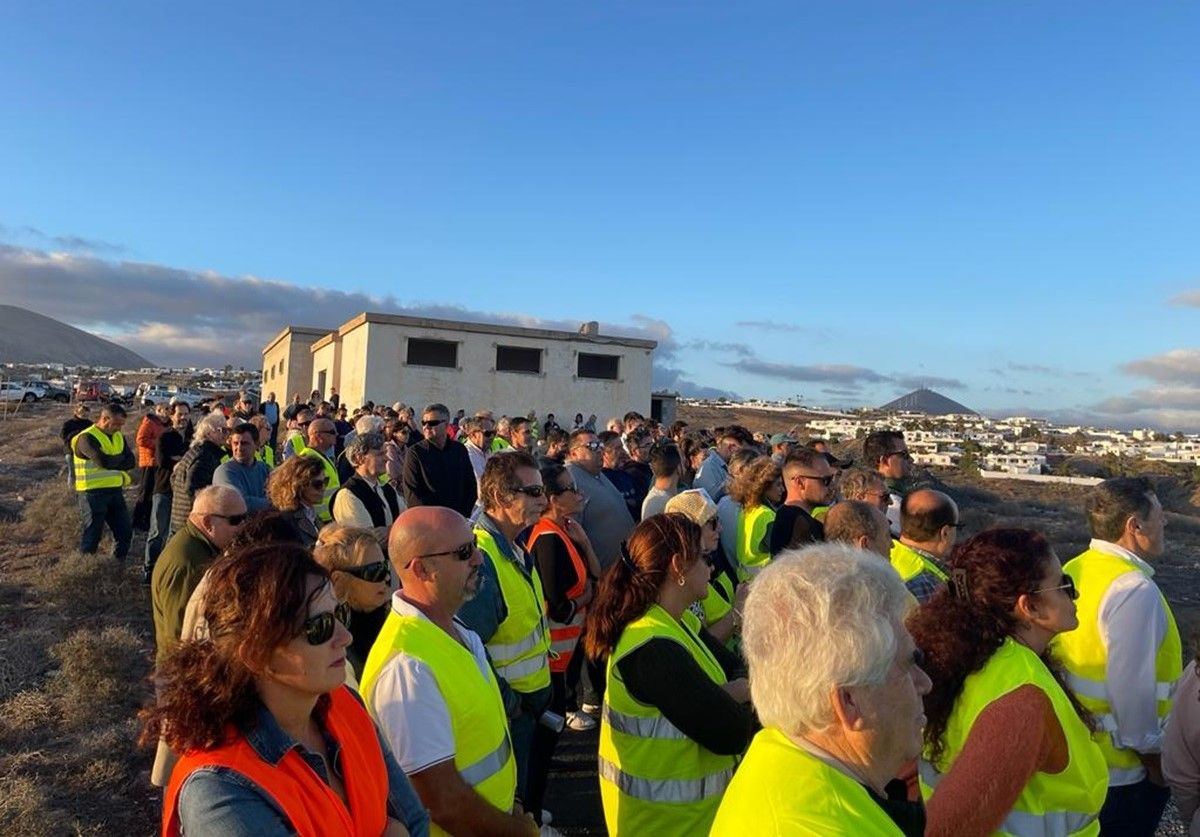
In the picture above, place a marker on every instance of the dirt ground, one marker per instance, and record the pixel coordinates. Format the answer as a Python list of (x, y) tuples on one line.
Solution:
[(76, 639)]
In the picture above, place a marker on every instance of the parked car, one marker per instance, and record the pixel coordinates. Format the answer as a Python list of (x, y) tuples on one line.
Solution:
[(48, 392), (153, 394), (93, 391), (12, 391), (192, 397)]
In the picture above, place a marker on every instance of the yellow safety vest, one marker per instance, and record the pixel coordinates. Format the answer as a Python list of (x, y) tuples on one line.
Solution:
[(1050, 803), (654, 780), (1085, 656), (753, 524), (266, 455), (332, 483), (520, 648), (910, 563), (90, 475), (782, 789), (818, 513), (718, 601), (483, 753)]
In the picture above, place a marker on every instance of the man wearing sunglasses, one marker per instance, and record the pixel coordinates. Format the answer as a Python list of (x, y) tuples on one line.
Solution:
[(887, 452), (509, 611), (322, 445), (605, 516), (437, 469), (431, 688), (808, 483), (928, 532), (479, 431)]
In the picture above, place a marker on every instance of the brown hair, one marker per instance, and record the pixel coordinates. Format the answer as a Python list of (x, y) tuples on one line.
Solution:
[(257, 600), (631, 585), (285, 485), (752, 483), (963, 624), (500, 476)]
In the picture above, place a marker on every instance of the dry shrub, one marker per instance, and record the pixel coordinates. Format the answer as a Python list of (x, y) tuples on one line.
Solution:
[(101, 679), (46, 447), (52, 518), (26, 808), (92, 586), (23, 715), (23, 659)]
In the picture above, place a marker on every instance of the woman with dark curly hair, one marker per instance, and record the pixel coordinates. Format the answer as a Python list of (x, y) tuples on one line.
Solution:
[(273, 743), (676, 711), (757, 488), (1007, 746)]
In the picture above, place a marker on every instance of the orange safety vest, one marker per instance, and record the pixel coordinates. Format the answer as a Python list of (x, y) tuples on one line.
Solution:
[(312, 808), (563, 637)]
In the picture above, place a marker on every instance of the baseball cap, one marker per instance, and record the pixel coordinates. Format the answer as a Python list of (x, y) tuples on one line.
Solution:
[(782, 438)]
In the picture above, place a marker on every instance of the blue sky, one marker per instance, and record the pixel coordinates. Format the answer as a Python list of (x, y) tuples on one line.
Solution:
[(997, 198)]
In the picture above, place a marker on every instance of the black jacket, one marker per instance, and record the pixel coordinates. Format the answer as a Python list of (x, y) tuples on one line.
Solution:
[(443, 477)]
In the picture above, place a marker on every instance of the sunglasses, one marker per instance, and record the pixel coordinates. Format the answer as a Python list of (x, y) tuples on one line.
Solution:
[(432, 422), (593, 445), (1068, 587), (234, 519), (318, 629), (319, 482), (462, 553), (530, 490), (823, 480), (374, 572), (903, 454), (570, 489)]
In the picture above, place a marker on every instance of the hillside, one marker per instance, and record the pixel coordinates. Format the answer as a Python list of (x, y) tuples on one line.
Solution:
[(29, 337), (928, 402)]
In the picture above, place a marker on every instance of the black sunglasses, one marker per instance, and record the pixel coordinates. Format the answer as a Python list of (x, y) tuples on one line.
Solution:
[(570, 489), (373, 572), (1068, 587), (432, 422), (530, 490), (823, 480), (234, 519), (318, 629), (462, 553)]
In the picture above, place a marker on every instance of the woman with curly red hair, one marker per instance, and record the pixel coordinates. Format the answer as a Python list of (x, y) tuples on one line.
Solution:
[(272, 741), (1007, 746)]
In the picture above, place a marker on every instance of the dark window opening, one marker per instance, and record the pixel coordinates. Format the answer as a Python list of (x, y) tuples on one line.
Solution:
[(598, 366), (432, 353), (518, 359)]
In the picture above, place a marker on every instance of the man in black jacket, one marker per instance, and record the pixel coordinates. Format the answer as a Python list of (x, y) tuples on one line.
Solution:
[(70, 429), (437, 470)]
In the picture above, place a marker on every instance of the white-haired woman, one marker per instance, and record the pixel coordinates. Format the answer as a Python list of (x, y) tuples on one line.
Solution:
[(837, 683), (367, 499), (195, 468)]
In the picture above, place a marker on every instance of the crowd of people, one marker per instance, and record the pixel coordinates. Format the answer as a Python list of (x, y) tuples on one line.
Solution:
[(383, 621)]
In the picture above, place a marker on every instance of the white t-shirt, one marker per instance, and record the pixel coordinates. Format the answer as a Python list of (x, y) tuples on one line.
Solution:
[(409, 707)]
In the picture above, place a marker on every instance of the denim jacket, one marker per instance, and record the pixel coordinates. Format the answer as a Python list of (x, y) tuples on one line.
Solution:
[(220, 801)]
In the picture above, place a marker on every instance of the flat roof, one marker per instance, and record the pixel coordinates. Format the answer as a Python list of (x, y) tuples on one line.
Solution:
[(287, 330), (330, 337), (492, 328)]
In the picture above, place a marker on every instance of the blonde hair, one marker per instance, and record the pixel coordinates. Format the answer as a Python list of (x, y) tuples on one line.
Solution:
[(340, 546), (286, 484), (753, 482)]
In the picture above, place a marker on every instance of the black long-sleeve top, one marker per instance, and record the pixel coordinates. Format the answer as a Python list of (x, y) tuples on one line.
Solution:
[(558, 576), (87, 448), (664, 674), (439, 477), (72, 427)]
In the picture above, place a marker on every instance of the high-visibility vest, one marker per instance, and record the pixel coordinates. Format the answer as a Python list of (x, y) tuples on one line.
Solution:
[(266, 455), (483, 754), (311, 807), (653, 778), (1085, 656), (332, 483), (781, 788), (499, 443), (818, 513), (1061, 803), (753, 524), (564, 636), (910, 563), (718, 601), (90, 475), (520, 647)]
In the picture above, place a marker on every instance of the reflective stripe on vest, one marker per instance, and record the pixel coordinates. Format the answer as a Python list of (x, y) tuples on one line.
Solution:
[(1084, 655), (666, 790), (910, 563), (489, 765), (653, 778), (1063, 803), (1048, 824), (90, 476), (520, 647), (332, 483)]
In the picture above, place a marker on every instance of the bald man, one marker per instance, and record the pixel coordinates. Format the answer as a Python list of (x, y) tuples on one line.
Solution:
[(322, 443), (217, 514), (430, 686), (860, 524), (928, 531)]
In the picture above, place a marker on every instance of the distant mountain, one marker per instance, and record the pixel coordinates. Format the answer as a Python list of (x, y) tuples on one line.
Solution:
[(29, 337), (926, 401)]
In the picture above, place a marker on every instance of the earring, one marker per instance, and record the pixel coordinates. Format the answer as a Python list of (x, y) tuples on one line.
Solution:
[(682, 581)]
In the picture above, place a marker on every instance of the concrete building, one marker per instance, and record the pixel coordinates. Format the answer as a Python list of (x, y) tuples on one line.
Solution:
[(287, 362), (388, 357)]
